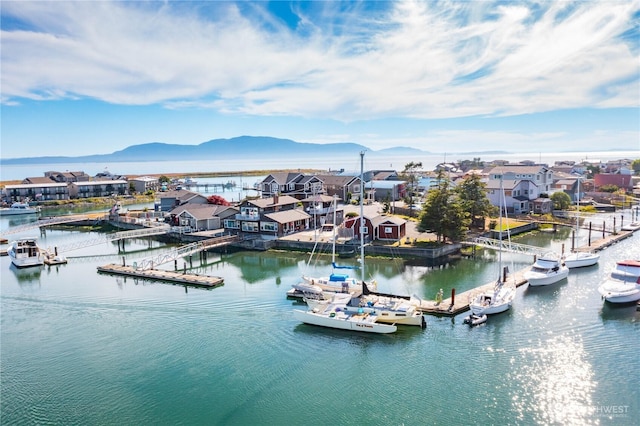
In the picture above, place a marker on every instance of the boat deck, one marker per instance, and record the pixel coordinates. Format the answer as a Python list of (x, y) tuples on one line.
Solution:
[(162, 275)]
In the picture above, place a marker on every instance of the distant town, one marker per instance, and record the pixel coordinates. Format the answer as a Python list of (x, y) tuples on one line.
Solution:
[(290, 201)]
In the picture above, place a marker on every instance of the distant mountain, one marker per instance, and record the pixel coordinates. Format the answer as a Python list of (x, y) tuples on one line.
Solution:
[(249, 147)]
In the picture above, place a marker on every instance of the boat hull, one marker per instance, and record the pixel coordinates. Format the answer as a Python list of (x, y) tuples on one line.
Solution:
[(538, 279), (619, 291), (25, 253), (581, 260), (343, 321)]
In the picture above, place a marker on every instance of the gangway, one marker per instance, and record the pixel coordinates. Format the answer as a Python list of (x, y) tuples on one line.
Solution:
[(510, 247), (182, 251), (43, 222), (116, 236)]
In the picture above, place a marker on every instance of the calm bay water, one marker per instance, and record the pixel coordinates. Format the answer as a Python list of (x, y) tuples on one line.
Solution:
[(373, 160), (78, 347)]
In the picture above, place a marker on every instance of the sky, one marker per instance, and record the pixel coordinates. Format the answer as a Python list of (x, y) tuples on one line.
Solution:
[(94, 77)]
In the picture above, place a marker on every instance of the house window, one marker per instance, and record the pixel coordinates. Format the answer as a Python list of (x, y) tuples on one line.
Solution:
[(388, 230), (250, 226), (268, 226), (231, 224)]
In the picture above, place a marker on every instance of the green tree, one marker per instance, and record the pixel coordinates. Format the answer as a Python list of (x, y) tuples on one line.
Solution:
[(473, 198), (635, 165), (443, 213), (609, 188), (561, 200), (410, 174)]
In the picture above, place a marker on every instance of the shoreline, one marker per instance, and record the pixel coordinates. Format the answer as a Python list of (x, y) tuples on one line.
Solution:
[(201, 174)]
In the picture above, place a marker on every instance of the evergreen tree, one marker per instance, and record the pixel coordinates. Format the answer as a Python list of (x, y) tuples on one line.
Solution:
[(473, 198), (443, 213)]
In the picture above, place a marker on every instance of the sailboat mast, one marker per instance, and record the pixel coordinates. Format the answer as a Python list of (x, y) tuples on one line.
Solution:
[(503, 202), (362, 215)]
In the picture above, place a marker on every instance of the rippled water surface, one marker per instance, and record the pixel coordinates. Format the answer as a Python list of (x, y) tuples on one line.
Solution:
[(79, 347)]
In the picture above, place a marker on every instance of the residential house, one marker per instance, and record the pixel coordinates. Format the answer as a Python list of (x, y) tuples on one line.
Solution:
[(623, 181), (518, 194), (202, 217), (169, 200), (271, 217), (68, 177), (320, 208), (344, 186), (102, 188), (386, 190), (522, 185), (296, 185)]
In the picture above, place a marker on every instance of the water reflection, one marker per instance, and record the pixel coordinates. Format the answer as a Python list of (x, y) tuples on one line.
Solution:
[(555, 383), (29, 275)]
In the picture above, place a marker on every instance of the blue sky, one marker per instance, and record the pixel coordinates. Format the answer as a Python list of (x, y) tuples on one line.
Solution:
[(86, 77)]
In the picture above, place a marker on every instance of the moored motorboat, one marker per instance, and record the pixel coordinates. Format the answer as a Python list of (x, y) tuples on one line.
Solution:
[(25, 253), (628, 269), (19, 209), (547, 269), (616, 290), (578, 259)]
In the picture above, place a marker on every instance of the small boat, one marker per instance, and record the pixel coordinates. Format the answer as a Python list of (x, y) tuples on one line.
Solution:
[(340, 316), (633, 226), (25, 253), (627, 270), (474, 319), (617, 290), (578, 259), (19, 208), (547, 269)]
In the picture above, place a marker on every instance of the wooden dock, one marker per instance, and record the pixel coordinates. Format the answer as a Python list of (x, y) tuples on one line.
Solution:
[(461, 300), (162, 275)]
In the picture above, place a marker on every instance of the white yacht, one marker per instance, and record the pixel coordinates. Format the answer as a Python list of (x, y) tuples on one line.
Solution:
[(19, 209), (25, 252), (547, 269), (616, 290), (341, 316)]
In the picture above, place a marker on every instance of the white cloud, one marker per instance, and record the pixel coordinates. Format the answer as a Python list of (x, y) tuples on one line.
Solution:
[(412, 61)]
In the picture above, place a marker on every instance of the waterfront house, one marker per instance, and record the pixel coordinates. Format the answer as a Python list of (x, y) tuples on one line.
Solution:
[(539, 175), (343, 186), (202, 217), (518, 194), (297, 185), (169, 200), (622, 181), (320, 208), (102, 188), (272, 217)]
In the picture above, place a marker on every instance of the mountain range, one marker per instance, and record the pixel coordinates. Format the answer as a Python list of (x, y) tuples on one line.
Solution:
[(259, 147)]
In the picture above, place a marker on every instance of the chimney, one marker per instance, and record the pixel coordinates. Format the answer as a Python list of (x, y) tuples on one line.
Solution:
[(275, 199)]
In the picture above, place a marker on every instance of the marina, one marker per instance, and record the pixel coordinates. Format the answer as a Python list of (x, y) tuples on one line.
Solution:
[(159, 334)]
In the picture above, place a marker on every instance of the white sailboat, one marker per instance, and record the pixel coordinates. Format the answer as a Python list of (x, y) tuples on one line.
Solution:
[(500, 298), (579, 259), (335, 282), (337, 313)]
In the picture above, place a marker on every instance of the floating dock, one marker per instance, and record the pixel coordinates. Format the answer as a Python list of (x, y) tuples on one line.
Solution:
[(162, 275)]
